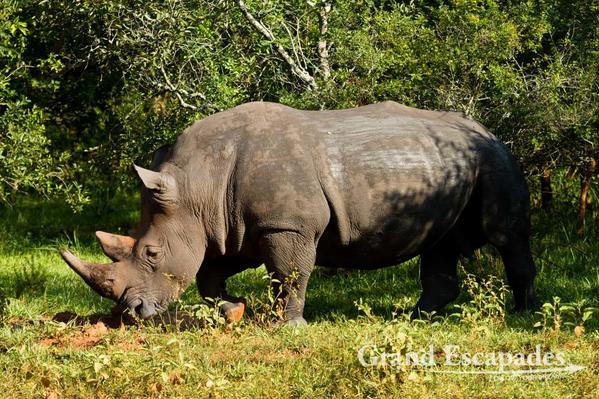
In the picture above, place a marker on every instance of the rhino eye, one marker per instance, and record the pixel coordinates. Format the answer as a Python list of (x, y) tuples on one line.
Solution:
[(153, 254)]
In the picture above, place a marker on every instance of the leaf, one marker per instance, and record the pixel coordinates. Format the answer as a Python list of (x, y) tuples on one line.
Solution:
[(97, 367), (587, 315)]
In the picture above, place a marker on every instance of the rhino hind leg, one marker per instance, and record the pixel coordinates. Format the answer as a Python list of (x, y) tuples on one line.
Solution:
[(520, 272), (289, 257), (506, 226), (438, 276)]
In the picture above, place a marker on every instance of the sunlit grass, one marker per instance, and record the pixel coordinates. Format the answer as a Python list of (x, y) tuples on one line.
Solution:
[(40, 357)]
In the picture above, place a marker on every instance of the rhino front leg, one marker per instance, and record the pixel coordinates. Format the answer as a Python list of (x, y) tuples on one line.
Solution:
[(289, 257), (211, 280)]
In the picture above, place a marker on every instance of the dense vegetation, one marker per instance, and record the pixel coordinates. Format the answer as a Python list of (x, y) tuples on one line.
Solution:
[(87, 87)]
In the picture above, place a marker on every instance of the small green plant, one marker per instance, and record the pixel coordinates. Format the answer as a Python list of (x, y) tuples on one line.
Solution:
[(577, 314), (204, 315), (365, 309), (209, 314), (270, 311), (554, 315), (394, 340), (391, 348), (551, 315), (487, 303)]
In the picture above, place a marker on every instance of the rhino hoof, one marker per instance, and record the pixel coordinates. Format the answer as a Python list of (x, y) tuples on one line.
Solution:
[(233, 311), (295, 322)]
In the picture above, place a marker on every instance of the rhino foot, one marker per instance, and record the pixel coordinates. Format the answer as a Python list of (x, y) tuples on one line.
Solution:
[(233, 311), (295, 322)]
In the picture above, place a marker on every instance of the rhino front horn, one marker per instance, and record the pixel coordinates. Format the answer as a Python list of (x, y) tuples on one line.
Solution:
[(98, 277)]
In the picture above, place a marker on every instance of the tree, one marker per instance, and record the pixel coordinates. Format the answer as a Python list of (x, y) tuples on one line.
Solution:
[(26, 161)]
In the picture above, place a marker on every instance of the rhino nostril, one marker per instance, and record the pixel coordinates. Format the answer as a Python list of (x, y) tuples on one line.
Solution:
[(144, 310), (139, 308), (134, 305)]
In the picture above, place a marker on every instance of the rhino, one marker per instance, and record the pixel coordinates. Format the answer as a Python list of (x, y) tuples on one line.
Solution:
[(361, 188)]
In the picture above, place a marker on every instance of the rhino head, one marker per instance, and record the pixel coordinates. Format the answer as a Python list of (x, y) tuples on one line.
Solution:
[(149, 272)]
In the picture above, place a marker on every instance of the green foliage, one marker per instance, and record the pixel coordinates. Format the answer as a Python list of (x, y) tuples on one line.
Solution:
[(207, 316), (92, 86), (555, 314), (26, 159)]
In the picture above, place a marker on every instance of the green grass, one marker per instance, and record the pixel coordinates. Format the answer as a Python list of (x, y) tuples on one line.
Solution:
[(42, 357)]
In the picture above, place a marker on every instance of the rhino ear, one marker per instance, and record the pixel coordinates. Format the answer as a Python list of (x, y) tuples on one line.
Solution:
[(162, 185)]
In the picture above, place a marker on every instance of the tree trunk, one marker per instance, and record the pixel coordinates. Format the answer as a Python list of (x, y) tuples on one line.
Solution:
[(546, 189), (585, 185)]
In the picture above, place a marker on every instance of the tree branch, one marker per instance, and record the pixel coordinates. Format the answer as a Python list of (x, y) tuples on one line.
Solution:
[(179, 93), (295, 68), (323, 50)]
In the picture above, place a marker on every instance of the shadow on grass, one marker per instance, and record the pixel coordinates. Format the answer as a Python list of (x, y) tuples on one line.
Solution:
[(34, 222), (169, 320), (385, 292)]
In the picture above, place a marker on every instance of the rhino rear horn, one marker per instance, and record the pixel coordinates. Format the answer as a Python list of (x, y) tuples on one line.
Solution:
[(115, 246)]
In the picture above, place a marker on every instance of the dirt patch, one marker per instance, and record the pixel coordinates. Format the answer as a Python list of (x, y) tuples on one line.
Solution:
[(89, 336), (94, 328), (180, 320), (92, 335)]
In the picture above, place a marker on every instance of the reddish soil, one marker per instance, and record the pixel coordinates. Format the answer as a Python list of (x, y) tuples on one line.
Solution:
[(88, 336), (94, 328)]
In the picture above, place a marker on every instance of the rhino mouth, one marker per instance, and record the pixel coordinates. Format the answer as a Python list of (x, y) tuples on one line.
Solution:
[(143, 308)]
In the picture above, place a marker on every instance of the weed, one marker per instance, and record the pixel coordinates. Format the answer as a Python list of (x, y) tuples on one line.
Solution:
[(578, 313), (271, 310), (487, 300), (364, 308), (208, 316), (556, 314)]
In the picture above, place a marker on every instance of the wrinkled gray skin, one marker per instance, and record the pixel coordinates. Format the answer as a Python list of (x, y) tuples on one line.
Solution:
[(361, 188)]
